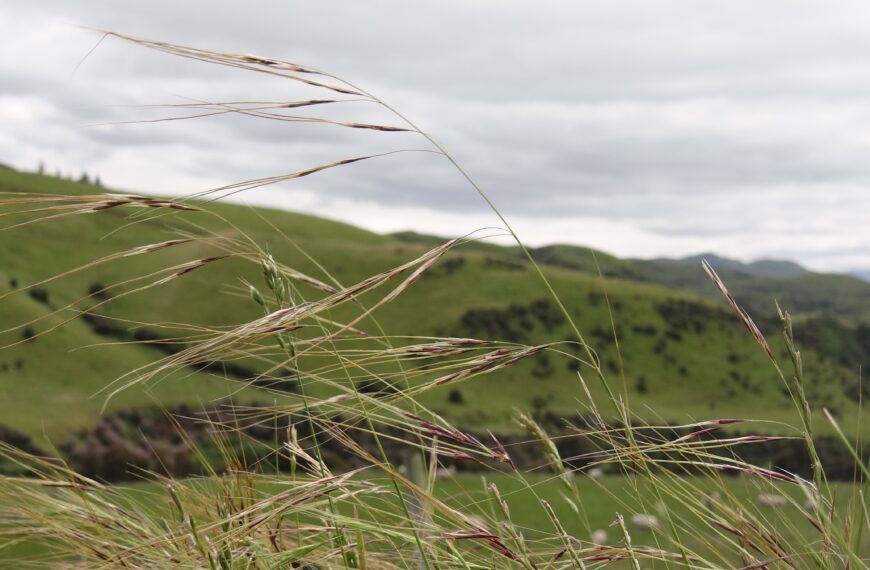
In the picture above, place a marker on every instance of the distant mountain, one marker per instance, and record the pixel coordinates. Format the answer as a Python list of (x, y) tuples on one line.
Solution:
[(761, 267), (776, 268), (863, 274)]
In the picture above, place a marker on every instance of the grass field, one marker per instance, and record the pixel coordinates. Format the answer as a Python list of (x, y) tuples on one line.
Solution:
[(597, 510)]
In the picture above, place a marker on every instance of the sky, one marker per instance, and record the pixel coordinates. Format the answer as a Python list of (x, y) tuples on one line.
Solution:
[(646, 129)]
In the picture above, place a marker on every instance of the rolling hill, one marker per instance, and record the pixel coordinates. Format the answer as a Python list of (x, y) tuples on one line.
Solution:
[(756, 284), (682, 355)]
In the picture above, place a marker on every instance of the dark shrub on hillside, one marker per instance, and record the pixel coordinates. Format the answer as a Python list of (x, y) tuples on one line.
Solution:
[(124, 443), (152, 338), (27, 333), (455, 397), (573, 343), (39, 295), (98, 291), (510, 324), (539, 403), (104, 326), (18, 440), (449, 266), (504, 263), (641, 386), (849, 347), (684, 315), (647, 330), (601, 335), (110, 328), (13, 283), (129, 443), (543, 367), (547, 314)]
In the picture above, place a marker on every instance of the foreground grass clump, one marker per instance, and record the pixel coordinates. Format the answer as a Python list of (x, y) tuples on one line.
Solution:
[(321, 347)]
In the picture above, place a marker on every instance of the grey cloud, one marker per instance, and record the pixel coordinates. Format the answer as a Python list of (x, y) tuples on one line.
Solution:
[(688, 119)]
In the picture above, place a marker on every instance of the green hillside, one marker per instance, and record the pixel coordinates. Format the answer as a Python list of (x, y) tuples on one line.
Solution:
[(755, 284), (682, 354)]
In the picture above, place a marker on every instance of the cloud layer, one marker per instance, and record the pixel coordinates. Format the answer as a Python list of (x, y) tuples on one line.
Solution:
[(644, 129)]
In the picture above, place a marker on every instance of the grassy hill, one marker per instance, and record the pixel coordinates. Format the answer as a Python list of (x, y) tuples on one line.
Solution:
[(682, 354), (756, 284)]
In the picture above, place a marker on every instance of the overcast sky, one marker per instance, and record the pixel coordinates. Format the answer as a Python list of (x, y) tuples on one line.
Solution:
[(657, 128)]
